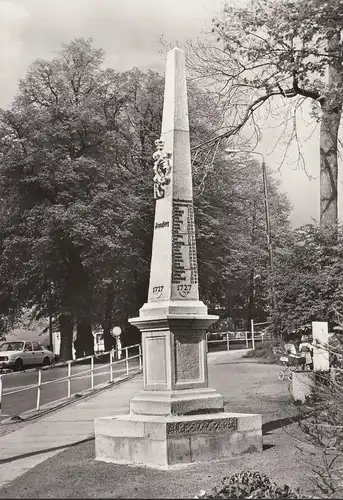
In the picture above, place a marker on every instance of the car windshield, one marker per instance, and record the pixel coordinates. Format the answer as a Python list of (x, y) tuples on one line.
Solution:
[(12, 346)]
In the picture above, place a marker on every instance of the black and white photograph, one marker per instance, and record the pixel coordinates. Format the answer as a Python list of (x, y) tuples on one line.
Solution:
[(171, 249)]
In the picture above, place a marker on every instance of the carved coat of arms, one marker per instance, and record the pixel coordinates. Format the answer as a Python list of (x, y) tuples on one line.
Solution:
[(162, 169)]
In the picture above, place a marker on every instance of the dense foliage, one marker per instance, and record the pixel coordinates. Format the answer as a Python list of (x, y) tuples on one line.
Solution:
[(308, 279)]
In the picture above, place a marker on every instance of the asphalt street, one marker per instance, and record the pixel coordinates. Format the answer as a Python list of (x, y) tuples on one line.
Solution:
[(26, 384)]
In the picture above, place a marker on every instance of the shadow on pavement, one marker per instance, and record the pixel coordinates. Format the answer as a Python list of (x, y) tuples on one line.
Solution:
[(282, 422), (46, 450), (268, 446)]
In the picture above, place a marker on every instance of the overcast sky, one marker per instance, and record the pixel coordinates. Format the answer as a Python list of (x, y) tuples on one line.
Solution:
[(129, 31)]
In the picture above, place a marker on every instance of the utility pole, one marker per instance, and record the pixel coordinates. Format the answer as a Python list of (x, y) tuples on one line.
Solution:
[(50, 318), (268, 230), (267, 214)]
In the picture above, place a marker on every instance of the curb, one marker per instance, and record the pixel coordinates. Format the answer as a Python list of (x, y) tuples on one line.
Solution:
[(32, 415)]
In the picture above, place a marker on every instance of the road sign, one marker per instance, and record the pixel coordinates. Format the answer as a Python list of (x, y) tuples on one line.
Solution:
[(116, 331)]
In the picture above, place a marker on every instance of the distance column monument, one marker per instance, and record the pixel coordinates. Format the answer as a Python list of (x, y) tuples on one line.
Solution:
[(177, 418)]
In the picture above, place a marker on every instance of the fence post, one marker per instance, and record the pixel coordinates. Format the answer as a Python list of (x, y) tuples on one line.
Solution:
[(227, 341), (92, 372), (252, 333), (127, 360), (38, 389), (246, 340), (140, 356), (111, 366), (69, 375), (0, 393)]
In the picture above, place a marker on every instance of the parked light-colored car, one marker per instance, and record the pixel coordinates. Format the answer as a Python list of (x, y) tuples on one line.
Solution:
[(22, 353)]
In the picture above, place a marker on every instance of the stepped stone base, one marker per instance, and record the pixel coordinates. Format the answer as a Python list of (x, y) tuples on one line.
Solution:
[(189, 401), (166, 441)]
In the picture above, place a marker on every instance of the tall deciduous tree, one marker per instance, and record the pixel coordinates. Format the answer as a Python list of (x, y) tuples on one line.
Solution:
[(273, 50), (65, 184)]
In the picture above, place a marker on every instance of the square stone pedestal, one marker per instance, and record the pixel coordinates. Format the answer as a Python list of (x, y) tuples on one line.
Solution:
[(166, 441)]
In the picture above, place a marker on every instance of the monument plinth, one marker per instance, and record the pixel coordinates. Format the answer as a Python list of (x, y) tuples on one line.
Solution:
[(177, 418)]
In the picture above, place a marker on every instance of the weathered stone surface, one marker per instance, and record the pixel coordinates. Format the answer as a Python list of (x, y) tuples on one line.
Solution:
[(177, 402), (174, 273), (174, 270), (174, 356), (177, 418), (173, 322), (155, 348), (187, 357), (320, 353), (167, 441), (302, 383)]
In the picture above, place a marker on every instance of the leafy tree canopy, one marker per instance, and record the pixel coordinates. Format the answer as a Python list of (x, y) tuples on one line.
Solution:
[(308, 279)]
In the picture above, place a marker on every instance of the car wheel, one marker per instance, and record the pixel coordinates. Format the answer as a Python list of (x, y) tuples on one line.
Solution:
[(18, 365), (46, 361)]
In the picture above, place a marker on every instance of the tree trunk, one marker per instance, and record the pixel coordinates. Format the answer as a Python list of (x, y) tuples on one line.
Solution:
[(331, 116), (251, 303), (66, 330), (84, 344), (109, 341), (329, 167)]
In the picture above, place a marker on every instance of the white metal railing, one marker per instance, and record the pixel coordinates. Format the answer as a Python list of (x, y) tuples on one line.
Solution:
[(70, 375), (227, 339)]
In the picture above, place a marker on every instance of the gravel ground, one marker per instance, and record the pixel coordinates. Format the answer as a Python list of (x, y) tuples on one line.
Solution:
[(247, 387)]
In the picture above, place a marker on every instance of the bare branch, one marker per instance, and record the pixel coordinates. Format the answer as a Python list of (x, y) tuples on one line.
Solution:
[(232, 131)]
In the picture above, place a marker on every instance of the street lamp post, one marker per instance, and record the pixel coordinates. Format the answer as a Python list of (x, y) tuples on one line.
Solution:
[(267, 213)]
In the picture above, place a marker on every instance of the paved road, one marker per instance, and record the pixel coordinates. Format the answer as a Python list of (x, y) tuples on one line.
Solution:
[(17, 403)]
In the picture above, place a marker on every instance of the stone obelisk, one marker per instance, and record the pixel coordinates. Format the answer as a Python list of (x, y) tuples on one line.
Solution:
[(173, 321), (177, 418)]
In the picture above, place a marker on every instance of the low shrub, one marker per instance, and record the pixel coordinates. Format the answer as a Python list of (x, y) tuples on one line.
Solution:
[(264, 351), (249, 484)]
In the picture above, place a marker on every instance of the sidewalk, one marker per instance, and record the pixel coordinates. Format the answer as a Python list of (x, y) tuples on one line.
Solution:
[(34, 443)]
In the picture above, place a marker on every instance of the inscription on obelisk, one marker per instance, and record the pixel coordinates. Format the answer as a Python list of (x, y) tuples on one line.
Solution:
[(184, 258)]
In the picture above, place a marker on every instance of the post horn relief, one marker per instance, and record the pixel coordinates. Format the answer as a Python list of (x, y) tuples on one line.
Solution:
[(162, 169)]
